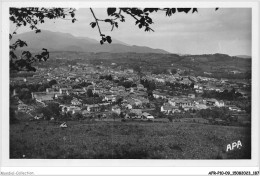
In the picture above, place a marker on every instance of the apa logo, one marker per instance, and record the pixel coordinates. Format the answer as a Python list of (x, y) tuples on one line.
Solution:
[(234, 145)]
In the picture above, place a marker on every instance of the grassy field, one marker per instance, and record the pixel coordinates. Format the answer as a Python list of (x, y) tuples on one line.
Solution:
[(126, 140)]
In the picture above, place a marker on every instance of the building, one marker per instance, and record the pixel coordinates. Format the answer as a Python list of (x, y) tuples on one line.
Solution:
[(110, 98), (157, 94), (191, 95), (93, 108), (214, 102), (234, 108), (147, 115), (49, 90), (22, 107), (116, 109), (76, 102)]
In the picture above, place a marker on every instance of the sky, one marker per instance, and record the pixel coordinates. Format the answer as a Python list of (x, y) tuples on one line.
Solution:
[(227, 30)]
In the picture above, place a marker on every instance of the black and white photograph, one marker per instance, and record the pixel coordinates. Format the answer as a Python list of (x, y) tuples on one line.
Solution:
[(130, 82)]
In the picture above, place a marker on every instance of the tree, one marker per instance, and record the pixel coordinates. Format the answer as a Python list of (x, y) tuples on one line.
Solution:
[(52, 82), (78, 116), (47, 113), (173, 71), (25, 95), (66, 99), (114, 116), (54, 108), (33, 16), (90, 93), (119, 101), (170, 118)]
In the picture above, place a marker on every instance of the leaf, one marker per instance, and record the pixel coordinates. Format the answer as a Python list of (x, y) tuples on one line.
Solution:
[(195, 10), (12, 18), (173, 10), (37, 31), (216, 9), (101, 42), (168, 12), (186, 10), (110, 11), (108, 39), (116, 24), (109, 20), (72, 15), (93, 24)]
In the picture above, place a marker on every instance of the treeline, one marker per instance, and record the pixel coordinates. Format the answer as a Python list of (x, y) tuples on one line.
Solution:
[(120, 82), (24, 91), (149, 85), (21, 74), (219, 75), (225, 95), (177, 85), (106, 77), (222, 113)]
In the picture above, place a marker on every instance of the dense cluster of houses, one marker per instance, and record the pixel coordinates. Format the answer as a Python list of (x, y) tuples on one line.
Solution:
[(111, 94)]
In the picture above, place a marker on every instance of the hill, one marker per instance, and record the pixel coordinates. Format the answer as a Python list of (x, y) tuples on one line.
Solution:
[(57, 41), (244, 56)]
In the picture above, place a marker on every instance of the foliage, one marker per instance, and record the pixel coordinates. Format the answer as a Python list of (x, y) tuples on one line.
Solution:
[(126, 84), (222, 113), (170, 118), (149, 85), (90, 93), (84, 84), (12, 116), (78, 116), (92, 100), (66, 99), (141, 16), (25, 95), (31, 17), (119, 101), (52, 109), (225, 95), (158, 71), (52, 82), (106, 77), (114, 116)]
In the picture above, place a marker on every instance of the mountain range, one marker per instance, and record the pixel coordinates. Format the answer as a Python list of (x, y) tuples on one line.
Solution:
[(244, 56), (57, 41)]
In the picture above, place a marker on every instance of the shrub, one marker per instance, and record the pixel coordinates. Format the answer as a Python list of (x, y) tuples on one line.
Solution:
[(170, 118)]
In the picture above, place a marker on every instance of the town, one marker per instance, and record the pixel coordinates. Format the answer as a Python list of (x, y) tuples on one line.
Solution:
[(99, 92)]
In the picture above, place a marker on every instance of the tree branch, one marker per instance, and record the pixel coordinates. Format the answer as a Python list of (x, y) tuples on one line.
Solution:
[(130, 14), (96, 22)]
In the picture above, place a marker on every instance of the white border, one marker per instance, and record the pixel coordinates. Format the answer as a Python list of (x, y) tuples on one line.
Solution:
[(163, 163)]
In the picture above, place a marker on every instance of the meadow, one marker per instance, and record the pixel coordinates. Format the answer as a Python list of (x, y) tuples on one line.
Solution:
[(126, 140)]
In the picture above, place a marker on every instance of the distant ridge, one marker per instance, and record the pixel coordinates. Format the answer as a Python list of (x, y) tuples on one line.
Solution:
[(57, 41), (244, 56)]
